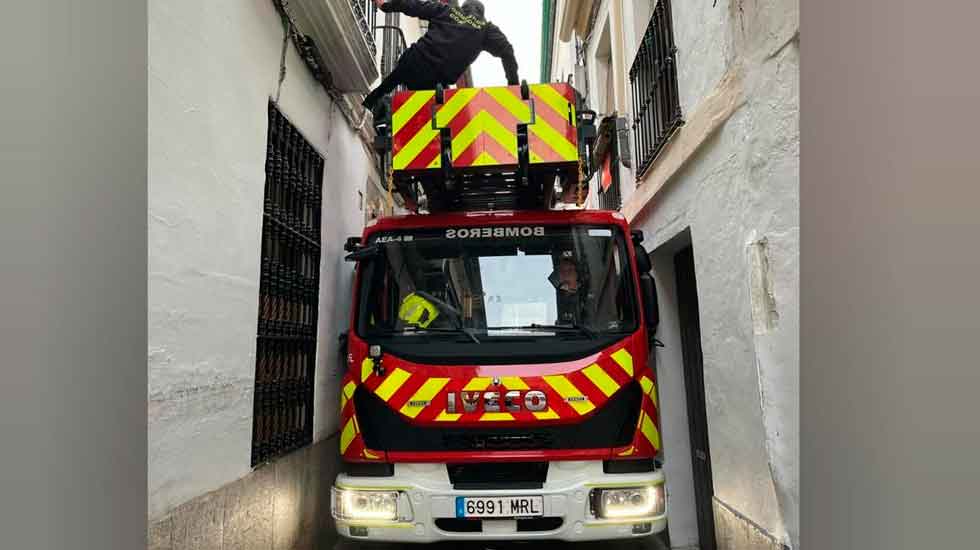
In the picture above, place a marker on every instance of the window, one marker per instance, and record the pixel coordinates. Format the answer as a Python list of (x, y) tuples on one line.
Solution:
[(653, 77), (289, 283), (451, 293)]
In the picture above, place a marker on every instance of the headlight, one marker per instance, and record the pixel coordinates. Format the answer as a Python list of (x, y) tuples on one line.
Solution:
[(628, 502), (369, 505)]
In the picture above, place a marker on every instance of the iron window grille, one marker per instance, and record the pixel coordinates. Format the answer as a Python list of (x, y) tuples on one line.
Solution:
[(289, 283), (366, 14), (653, 77)]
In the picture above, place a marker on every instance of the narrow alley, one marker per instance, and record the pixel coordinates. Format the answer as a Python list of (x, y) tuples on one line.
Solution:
[(265, 170)]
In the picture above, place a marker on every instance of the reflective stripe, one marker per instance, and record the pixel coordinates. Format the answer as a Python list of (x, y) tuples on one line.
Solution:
[(649, 430), (496, 417), (513, 383), (477, 384), (624, 360), (546, 415), (409, 109), (347, 436), (392, 383), (367, 365), (447, 417), (649, 388), (415, 405), (602, 380), (568, 390), (370, 455)]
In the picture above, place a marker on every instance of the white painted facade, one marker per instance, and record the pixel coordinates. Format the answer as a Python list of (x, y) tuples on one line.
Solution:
[(213, 67), (733, 193)]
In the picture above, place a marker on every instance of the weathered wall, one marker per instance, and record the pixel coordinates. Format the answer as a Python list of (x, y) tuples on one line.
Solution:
[(738, 196), (213, 67)]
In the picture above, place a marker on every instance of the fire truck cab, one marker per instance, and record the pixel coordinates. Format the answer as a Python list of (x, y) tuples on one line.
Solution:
[(497, 381)]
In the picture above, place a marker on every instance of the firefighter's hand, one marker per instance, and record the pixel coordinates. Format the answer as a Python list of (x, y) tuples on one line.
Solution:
[(379, 3)]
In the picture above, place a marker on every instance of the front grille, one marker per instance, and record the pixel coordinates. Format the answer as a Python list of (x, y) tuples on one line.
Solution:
[(385, 430), (498, 475)]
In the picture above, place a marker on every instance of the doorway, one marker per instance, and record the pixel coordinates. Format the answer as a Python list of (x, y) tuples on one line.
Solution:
[(690, 332)]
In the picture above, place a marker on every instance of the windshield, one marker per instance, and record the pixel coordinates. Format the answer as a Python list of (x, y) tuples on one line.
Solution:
[(569, 282)]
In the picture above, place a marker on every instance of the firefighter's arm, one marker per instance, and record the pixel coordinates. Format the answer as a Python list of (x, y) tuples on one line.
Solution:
[(497, 45), (423, 9)]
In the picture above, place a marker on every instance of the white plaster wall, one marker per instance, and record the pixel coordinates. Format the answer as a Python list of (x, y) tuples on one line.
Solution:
[(743, 186), (212, 68)]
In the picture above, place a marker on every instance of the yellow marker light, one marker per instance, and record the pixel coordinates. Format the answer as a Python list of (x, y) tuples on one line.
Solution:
[(369, 505), (628, 502)]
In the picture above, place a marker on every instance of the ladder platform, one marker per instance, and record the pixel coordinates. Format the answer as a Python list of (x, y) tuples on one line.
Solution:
[(484, 148)]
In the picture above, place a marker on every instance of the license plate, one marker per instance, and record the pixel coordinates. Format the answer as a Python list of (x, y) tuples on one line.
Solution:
[(499, 507)]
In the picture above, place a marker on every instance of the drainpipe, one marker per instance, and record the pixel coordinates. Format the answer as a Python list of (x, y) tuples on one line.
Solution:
[(547, 29)]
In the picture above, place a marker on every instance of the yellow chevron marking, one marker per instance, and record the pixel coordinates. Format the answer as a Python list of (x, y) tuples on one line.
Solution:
[(649, 431), (408, 110), (447, 417), (512, 103), (555, 139), (649, 388), (552, 97), (568, 390), (602, 380), (625, 360), (414, 146), (392, 383), (546, 415), (367, 365), (370, 455), (489, 417), (346, 394), (347, 436), (542, 129), (422, 398), (513, 383), (436, 162), (628, 452), (484, 123), (477, 384), (485, 159)]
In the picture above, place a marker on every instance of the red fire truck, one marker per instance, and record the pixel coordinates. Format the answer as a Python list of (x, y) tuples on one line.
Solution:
[(498, 381)]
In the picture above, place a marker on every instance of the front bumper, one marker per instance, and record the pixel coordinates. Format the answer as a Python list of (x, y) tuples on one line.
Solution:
[(567, 514)]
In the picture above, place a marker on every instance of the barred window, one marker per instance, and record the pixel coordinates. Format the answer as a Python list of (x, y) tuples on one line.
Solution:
[(653, 77), (289, 284)]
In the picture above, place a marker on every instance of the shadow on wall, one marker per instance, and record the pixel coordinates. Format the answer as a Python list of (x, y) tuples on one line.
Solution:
[(284, 505)]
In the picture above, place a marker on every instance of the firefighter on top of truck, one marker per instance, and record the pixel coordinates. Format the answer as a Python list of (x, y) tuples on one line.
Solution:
[(455, 38)]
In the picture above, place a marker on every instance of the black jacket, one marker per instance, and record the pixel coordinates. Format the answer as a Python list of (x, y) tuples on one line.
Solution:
[(454, 40)]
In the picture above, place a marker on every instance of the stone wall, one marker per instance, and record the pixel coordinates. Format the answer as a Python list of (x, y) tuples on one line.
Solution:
[(284, 505)]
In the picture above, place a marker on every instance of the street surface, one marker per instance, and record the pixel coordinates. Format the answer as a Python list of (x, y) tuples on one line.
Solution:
[(649, 543)]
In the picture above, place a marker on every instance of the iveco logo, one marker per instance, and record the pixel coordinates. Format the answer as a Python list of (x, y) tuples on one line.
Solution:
[(495, 401)]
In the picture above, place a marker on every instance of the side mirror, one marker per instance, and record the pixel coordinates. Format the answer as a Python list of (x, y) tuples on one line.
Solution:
[(352, 244), (651, 306), (643, 264), (365, 253)]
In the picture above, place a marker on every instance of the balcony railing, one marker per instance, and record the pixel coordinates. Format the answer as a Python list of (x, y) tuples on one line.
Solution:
[(366, 14)]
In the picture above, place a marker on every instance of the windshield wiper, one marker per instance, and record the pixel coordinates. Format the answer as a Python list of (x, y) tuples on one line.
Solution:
[(534, 326), (461, 330)]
